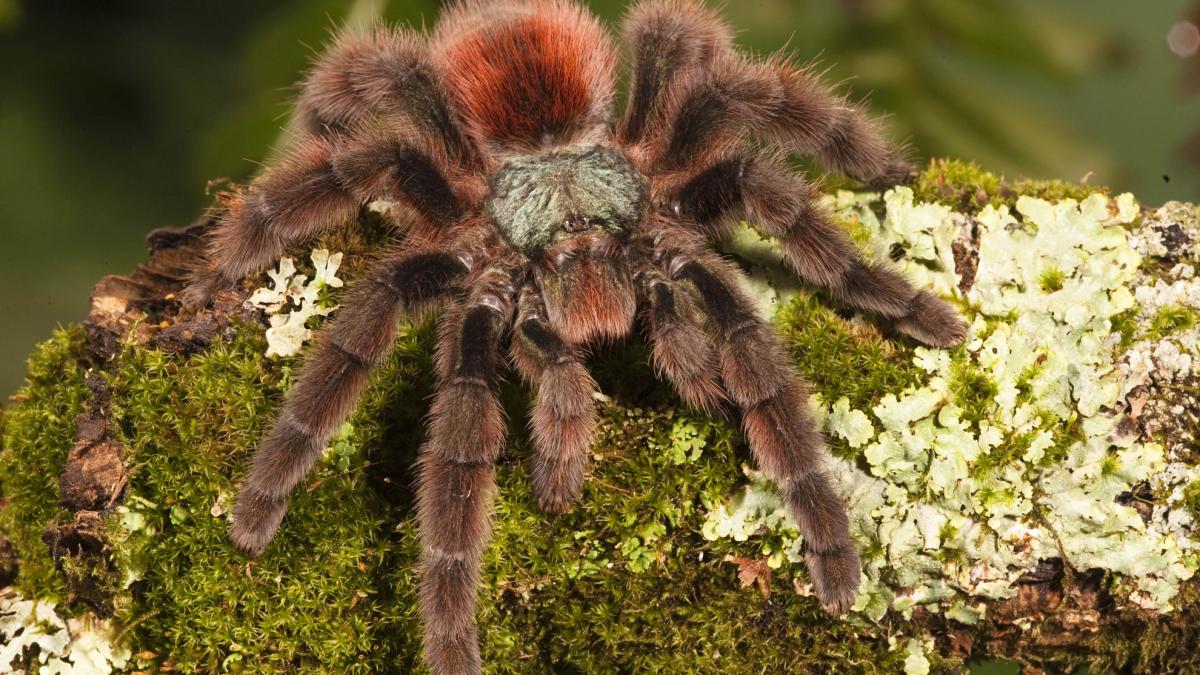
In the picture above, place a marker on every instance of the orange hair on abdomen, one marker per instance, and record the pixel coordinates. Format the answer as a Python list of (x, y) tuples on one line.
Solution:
[(524, 73)]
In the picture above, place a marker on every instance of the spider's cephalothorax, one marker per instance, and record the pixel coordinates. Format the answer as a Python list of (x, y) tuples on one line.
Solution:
[(539, 200), (542, 220)]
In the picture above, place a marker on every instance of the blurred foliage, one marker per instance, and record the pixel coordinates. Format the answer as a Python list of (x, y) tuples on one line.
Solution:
[(1191, 86), (9, 13), (931, 65), (115, 116), (1191, 64)]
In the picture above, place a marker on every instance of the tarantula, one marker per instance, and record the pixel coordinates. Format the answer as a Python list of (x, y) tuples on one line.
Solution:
[(544, 220)]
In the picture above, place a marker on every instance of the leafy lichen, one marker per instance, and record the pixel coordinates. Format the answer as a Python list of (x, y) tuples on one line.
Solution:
[(1037, 384), (304, 298), (65, 646), (1007, 451)]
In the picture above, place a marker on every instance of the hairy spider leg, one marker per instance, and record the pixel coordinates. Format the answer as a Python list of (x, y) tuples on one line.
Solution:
[(322, 183), (768, 192), (457, 474), (665, 39), (811, 119), (385, 72), (331, 381), (710, 110), (784, 439), (680, 349)]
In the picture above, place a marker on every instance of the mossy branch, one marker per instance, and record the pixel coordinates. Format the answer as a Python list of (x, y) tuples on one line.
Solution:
[(121, 455)]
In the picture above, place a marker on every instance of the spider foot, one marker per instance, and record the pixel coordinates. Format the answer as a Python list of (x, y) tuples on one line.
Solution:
[(557, 486), (556, 499), (456, 653), (255, 520), (835, 577), (897, 172), (200, 289), (933, 322)]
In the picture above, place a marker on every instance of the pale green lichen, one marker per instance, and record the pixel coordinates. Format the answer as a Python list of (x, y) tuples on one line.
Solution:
[(62, 645), (1011, 450), (302, 298), (915, 663), (852, 425)]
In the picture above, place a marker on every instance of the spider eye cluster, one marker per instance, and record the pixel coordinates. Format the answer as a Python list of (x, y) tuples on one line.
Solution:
[(538, 200)]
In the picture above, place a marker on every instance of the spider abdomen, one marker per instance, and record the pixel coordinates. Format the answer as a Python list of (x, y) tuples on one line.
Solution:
[(525, 75)]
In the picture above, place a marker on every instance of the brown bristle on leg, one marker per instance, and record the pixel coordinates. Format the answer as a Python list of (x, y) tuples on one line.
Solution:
[(562, 420), (931, 321), (681, 350), (320, 184), (665, 40), (385, 72), (256, 517), (710, 111), (822, 254), (377, 162), (294, 199), (813, 120), (559, 464), (769, 193), (447, 596), (457, 476)]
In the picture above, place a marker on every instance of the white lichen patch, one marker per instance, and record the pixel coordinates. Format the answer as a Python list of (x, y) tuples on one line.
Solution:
[(1172, 231), (915, 663), (1021, 445), (79, 646), (292, 299), (1170, 306)]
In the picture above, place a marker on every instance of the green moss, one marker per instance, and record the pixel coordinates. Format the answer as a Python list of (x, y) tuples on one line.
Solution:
[(1064, 437), (957, 184), (316, 599), (972, 389), (1025, 380), (1052, 190), (1126, 324), (840, 359), (1171, 320), (964, 186), (1052, 279), (623, 583), (1002, 455), (39, 431), (1164, 645), (626, 583), (1191, 499), (859, 232)]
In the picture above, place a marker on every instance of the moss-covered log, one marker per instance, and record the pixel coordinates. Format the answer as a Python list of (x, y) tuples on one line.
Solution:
[(1029, 495)]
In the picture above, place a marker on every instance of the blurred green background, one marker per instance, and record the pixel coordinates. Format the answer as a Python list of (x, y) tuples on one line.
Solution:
[(115, 115)]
